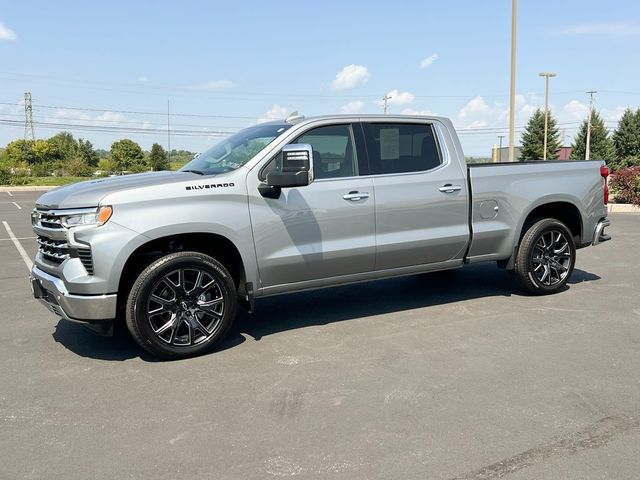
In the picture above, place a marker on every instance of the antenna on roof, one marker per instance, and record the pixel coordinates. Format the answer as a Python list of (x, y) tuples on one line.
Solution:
[(293, 117)]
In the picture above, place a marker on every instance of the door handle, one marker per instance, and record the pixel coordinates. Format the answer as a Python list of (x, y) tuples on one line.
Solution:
[(448, 188), (355, 196)]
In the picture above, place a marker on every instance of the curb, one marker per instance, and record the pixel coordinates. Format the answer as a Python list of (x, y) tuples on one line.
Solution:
[(623, 208), (28, 188)]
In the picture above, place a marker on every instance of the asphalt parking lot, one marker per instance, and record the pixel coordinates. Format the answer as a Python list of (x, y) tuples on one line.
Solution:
[(454, 375)]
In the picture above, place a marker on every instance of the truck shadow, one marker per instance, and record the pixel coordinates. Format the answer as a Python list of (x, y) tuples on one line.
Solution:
[(322, 307)]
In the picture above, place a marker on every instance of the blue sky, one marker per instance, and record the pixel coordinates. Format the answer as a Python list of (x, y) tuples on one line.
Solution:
[(225, 65)]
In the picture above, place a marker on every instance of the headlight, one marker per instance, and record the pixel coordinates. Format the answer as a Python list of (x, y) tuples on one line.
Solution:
[(96, 216)]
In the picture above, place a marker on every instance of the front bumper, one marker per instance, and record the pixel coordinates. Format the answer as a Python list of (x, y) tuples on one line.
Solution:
[(51, 291), (598, 234)]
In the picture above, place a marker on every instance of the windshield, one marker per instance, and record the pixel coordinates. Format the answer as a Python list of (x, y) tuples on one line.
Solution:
[(236, 150)]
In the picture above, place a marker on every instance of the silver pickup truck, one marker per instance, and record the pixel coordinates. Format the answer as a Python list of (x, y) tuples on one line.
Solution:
[(301, 204)]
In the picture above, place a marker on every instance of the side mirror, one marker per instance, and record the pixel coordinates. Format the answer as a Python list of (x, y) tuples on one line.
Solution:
[(294, 167)]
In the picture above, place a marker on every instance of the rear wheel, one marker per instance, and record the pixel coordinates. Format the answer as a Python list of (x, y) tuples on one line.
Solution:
[(546, 257), (181, 305)]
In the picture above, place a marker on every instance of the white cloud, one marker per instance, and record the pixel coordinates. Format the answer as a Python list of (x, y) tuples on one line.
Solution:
[(427, 62), (276, 112), (477, 113), (352, 107), (411, 111), (143, 79), (601, 28), (475, 106), (574, 111), (399, 98), (214, 85), (351, 76), (105, 119), (7, 33)]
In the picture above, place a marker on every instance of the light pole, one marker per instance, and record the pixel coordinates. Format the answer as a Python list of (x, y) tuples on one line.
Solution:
[(512, 94), (588, 142), (547, 75), (500, 137)]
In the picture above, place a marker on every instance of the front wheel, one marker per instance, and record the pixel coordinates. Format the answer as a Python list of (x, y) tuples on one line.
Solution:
[(546, 257), (181, 305)]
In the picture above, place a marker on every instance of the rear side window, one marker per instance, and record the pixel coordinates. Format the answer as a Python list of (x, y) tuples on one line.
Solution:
[(401, 147)]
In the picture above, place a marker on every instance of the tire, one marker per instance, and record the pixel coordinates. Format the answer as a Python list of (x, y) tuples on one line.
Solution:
[(546, 257), (181, 305)]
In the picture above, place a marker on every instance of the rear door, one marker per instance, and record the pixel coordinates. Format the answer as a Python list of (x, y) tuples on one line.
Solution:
[(421, 196), (322, 230)]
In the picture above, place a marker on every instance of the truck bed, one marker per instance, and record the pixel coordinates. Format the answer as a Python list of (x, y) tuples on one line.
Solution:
[(503, 194)]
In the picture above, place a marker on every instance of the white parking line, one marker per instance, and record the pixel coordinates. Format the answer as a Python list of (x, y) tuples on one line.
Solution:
[(25, 257), (17, 206), (10, 194), (17, 238)]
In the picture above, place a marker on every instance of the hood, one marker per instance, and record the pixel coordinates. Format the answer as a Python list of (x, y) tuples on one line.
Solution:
[(89, 193)]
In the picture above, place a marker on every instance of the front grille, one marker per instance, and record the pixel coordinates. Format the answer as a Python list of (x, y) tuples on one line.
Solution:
[(56, 251), (52, 240), (50, 221), (85, 257)]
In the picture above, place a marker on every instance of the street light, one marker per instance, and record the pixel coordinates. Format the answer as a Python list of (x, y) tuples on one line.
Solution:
[(547, 75), (512, 93)]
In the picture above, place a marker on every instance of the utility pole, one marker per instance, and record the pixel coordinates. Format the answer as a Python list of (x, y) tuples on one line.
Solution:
[(168, 134), (386, 99), (500, 137), (28, 118), (512, 95), (591, 93), (547, 75)]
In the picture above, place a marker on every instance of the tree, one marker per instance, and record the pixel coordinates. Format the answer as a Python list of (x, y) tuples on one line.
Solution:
[(19, 152), (533, 137), (158, 158), (46, 152), (601, 145), (66, 145), (626, 140), (127, 155), (87, 153), (77, 167)]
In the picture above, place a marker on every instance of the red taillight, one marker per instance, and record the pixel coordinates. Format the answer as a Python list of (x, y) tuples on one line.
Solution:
[(604, 173)]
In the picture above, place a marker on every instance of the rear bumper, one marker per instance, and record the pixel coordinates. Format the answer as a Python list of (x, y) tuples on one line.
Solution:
[(51, 291), (598, 234)]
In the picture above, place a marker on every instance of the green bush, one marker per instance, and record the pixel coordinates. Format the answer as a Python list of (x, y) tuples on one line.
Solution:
[(9, 177), (77, 167)]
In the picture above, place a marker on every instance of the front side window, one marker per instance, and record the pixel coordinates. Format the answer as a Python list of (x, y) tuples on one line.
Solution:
[(333, 151), (401, 147)]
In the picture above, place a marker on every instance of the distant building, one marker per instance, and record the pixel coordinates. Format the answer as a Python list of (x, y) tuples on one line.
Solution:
[(502, 154)]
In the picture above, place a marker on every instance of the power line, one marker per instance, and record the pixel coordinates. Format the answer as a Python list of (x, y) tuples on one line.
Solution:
[(133, 112), (108, 129)]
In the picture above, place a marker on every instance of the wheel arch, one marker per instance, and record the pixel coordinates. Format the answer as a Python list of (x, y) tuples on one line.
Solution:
[(215, 245), (561, 209)]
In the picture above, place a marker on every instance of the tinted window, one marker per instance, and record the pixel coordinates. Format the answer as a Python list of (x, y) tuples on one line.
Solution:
[(333, 151), (401, 147)]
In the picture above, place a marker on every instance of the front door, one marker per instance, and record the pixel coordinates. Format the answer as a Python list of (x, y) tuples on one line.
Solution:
[(326, 229)]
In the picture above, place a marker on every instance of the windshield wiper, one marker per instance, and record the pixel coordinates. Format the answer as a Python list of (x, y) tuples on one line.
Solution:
[(199, 172)]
